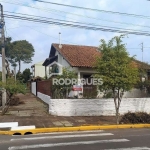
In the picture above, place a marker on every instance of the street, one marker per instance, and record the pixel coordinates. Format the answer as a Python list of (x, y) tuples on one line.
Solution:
[(122, 139)]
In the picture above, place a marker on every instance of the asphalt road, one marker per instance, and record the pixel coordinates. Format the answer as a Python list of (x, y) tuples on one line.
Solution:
[(121, 139)]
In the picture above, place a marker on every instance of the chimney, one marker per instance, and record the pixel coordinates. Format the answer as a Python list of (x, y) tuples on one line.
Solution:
[(60, 46)]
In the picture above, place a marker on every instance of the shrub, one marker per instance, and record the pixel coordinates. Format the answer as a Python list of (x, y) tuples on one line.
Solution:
[(139, 117)]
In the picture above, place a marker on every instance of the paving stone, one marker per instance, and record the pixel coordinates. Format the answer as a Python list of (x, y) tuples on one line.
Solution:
[(81, 121), (13, 112), (57, 123), (67, 123)]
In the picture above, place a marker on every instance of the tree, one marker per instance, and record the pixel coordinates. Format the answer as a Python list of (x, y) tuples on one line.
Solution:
[(12, 87), (116, 69), (24, 76), (62, 90), (21, 51), (16, 52)]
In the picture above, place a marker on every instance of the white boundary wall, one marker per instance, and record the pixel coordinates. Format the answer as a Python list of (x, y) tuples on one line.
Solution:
[(44, 97), (33, 88), (96, 107)]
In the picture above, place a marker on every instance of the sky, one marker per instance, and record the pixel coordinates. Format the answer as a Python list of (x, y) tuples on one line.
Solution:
[(41, 36)]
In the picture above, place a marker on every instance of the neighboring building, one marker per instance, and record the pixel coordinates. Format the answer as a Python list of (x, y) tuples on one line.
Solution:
[(38, 70), (81, 59)]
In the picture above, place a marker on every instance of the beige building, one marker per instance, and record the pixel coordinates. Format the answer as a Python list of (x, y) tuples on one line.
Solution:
[(38, 69)]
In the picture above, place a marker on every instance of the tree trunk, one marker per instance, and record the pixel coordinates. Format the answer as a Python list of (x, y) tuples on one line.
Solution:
[(117, 110), (7, 68), (19, 63), (117, 100), (117, 116)]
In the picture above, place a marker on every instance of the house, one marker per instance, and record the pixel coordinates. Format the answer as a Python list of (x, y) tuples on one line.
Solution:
[(76, 57), (38, 70), (81, 59)]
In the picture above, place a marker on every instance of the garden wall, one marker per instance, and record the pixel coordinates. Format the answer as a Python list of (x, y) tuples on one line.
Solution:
[(45, 87), (43, 97), (40, 90), (33, 88), (96, 107)]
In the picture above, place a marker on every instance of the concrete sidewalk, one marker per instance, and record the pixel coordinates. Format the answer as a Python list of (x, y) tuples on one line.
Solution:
[(53, 121), (33, 111)]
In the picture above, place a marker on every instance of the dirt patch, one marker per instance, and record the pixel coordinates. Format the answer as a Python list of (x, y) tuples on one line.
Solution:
[(28, 105), (15, 101), (139, 117)]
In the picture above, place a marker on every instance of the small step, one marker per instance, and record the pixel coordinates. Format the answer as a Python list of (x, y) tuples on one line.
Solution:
[(8, 124), (23, 128)]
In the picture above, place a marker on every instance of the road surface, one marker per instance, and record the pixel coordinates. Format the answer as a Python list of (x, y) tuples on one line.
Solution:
[(121, 139)]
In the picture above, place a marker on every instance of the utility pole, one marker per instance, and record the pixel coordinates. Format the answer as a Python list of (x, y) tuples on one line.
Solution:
[(142, 52), (3, 56)]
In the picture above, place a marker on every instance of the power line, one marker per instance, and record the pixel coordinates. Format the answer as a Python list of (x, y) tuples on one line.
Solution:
[(57, 19), (112, 12), (79, 15), (51, 36), (84, 23), (139, 48), (84, 26), (123, 23), (97, 10), (47, 35), (70, 41)]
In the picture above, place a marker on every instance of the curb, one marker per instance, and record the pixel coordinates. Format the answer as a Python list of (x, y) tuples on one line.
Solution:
[(67, 129)]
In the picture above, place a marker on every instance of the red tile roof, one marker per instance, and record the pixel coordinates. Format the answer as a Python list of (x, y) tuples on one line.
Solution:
[(84, 56), (78, 56)]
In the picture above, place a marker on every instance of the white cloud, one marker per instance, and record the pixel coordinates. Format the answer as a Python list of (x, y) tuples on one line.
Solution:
[(43, 35)]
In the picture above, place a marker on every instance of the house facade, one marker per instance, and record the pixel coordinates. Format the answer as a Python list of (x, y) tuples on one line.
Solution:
[(78, 58), (81, 59)]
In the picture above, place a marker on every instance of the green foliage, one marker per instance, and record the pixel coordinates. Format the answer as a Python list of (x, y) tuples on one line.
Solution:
[(21, 51), (115, 66), (116, 69), (61, 91), (13, 87), (141, 85), (18, 51), (24, 76), (108, 95), (19, 77)]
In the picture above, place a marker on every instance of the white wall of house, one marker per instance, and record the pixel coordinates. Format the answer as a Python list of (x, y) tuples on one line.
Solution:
[(64, 63), (61, 60), (136, 93), (39, 70), (86, 70), (96, 107)]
